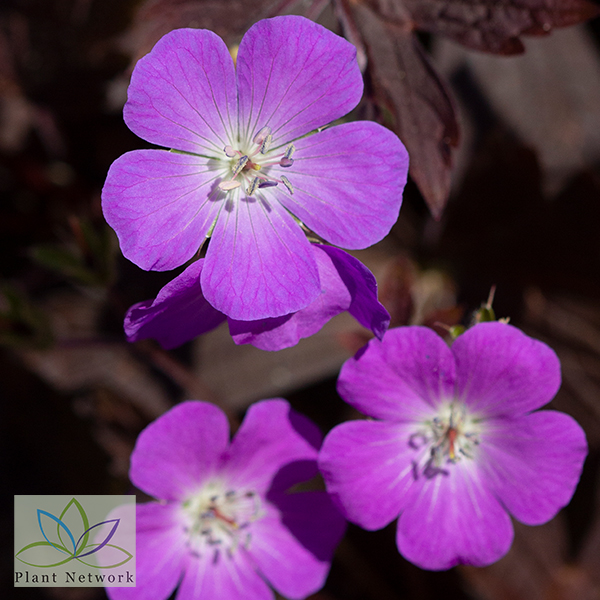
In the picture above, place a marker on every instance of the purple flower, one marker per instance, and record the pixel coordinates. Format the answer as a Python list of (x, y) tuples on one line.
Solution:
[(227, 523), (456, 446), (244, 170), (180, 312)]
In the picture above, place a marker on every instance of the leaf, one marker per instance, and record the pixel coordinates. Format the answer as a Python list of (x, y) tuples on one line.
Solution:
[(107, 539), (82, 522), (418, 105), (494, 25), (42, 516)]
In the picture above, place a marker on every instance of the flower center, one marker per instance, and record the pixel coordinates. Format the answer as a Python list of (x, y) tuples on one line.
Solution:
[(248, 167), (218, 520), (451, 435)]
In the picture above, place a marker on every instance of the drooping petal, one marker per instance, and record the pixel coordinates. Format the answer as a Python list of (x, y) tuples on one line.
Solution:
[(222, 578), (259, 263), (180, 450), (274, 448), (178, 314), (346, 284), (401, 378), (183, 93), (294, 76), (160, 554), (453, 519), (161, 205), (502, 371), (368, 469), (293, 543), (347, 183), (533, 463), (361, 284)]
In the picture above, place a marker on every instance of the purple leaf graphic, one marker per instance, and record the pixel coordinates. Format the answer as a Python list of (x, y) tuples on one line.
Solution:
[(108, 537)]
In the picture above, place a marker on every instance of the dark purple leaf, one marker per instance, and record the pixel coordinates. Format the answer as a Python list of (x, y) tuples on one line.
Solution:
[(492, 25), (413, 99)]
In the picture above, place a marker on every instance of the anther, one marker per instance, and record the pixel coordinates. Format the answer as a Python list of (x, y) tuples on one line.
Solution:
[(287, 160), (241, 163), (260, 137), (229, 151), (266, 183), (287, 184), (264, 147), (231, 184), (252, 188)]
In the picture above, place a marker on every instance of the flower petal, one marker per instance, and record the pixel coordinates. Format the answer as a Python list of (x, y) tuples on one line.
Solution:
[(346, 284), (178, 314), (274, 448), (361, 284), (178, 451), (348, 182), (502, 371), (400, 378), (183, 93), (294, 76), (160, 554), (293, 544), (453, 519), (222, 578), (533, 463), (259, 263), (367, 467), (160, 205)]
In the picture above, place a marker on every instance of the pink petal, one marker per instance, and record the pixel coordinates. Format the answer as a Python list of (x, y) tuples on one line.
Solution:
[(502, 371), (275, 447), (368, 470), (453, 519), (293, 544), (222, 578), (160, 205), (259, 263), (178, 451), (183, 93), (348, 182), (533, 463), (160, 556), (400, 378), (294, 76), (178, 314)]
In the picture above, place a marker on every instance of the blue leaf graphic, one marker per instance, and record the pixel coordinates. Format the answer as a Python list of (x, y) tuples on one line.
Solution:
[(41, 512)]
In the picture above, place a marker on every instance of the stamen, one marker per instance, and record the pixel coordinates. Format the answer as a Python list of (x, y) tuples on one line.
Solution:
[(241, 163), (287, 184), (231, 184), (250, 190), (264, 147), (287, 160), (230, 151), (260, 137), (266, 183)]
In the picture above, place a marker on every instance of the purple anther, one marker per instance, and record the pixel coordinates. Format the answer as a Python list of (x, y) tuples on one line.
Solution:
[(267, 183)]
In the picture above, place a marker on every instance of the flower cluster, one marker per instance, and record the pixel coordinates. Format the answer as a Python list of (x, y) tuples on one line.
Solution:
[(455, 446), (248, 169), (227, 522)]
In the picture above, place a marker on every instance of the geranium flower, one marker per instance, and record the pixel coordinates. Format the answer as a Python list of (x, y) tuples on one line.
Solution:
[(180, 312), (456, 447), (245, 170), (227, 524)]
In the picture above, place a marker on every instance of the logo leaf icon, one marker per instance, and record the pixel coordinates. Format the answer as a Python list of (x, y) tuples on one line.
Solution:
[(106, 540), (74, 503), (60, 524)]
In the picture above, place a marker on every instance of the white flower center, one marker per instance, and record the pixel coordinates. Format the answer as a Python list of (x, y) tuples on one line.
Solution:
[(451, 435), (218, 520), (247, 166)]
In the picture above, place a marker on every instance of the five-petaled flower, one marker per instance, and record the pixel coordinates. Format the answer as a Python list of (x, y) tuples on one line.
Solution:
[(456, 446), (245, 170), (180, 312), (228, 522)]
